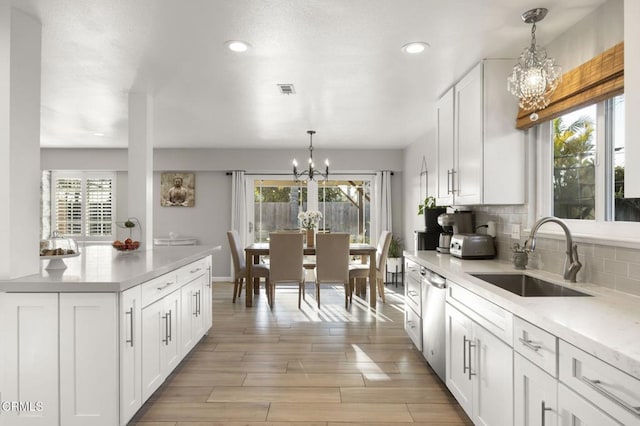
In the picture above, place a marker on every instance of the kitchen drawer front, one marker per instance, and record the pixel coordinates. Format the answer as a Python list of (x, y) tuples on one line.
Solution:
[(413, 294), (607, 387), (413, 327), (412, 270), (157, 288), (190, 272), (575, 410), (489, 315), (535, 344)]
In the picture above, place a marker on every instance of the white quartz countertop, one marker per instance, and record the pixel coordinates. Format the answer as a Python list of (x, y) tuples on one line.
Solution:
[(100, 268), (606, 325)]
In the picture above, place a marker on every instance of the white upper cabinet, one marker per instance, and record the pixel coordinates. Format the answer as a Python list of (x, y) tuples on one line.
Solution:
[(631, 97), (480, 153)]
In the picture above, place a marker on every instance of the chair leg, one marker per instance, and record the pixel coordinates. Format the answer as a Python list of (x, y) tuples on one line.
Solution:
[(318, 294), (346, 294), (381, 289), (300, 292), (237, 288)]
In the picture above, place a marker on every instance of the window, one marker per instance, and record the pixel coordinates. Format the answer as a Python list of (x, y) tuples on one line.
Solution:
[(83, 204), (582, 152), (345, 205)]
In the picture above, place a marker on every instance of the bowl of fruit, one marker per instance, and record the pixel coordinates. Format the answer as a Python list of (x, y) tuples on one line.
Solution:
[(131, 243), (127, 245)]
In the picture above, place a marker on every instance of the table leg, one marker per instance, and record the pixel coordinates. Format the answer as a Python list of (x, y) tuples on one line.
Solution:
[(256, 281), (373, 296), (248, 293)]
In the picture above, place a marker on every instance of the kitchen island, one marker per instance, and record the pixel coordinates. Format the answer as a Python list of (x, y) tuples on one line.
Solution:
[(87, 345), (576, 357)]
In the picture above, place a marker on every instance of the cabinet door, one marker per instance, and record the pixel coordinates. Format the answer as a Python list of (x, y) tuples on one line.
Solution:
[(170, 353), (29, 357), (191, 323), (444, 149), (458, 338), (130, 353), (492, 370), (535, 394), (469, 138), (574, 410), (88, 359), (154, 333)]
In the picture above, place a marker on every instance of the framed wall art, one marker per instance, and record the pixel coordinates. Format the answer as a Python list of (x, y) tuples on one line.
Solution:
[(177, 189)]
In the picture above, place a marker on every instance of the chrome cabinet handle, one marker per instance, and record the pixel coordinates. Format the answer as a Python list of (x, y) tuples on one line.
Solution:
[(170, 336), (410, 323), (166, 329), (130, 313), (471, 345), (595, 384), (464, 354), (529, 343), (199, 303), (543, 411), (449, 181), (193, 271), (165, 286), (195, 304)]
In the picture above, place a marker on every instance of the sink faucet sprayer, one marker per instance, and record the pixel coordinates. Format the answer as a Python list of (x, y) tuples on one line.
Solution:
[(571, 263)]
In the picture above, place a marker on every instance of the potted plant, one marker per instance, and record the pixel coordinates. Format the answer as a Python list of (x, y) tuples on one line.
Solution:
[(394, 256), (431, 211)]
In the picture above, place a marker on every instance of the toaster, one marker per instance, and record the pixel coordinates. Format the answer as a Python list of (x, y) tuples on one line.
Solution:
[(472, 246)]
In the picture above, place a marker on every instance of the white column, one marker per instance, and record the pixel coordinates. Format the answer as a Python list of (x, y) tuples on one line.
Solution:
[(140, 167), (19, 142)]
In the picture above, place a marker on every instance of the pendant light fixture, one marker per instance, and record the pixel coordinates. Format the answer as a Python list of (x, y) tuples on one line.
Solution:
[(535, 77), (311, 172)]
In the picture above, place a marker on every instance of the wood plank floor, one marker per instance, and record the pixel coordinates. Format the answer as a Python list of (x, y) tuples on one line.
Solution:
[(310, 367)]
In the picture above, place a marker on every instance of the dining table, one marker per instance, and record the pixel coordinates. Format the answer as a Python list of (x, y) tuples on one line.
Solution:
[(255, 250)]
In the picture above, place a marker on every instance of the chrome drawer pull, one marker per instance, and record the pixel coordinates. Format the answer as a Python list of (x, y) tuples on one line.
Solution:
[(165, 286), (130, 313), (530, 344), (471, 345), (595, 384), (193, 271)]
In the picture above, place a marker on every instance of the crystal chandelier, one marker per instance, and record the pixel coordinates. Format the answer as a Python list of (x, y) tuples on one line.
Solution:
[(535, 76), (311, 172)]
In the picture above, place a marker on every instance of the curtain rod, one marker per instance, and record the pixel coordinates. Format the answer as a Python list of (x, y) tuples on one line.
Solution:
[(287, 174)]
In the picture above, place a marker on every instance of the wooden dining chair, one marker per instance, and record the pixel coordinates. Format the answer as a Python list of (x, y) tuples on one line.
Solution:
[(285, 263), (240, 267), (362, 270), (332, 263)]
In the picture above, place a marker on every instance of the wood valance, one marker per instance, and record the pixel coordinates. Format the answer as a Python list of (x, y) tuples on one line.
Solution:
[(596, 80)]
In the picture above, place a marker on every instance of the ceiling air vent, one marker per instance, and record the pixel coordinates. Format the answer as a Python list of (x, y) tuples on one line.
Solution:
[(287, 89)]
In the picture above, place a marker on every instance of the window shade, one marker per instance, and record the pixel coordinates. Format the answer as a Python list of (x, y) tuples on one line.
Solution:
[(99, 207), (597, 79), (68, 205)]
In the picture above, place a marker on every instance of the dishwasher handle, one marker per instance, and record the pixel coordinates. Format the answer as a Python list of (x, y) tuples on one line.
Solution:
[(435, 280)]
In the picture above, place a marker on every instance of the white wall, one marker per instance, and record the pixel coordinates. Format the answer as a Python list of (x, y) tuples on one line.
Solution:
[(210, 218)]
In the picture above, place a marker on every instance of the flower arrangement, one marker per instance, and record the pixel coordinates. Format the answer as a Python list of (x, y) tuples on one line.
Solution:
[(309, 219)]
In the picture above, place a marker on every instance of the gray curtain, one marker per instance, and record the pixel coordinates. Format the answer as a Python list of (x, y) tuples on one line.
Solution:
[(384, 220), (239, 205)]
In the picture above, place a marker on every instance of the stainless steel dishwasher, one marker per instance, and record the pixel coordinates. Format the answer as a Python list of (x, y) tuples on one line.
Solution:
[(433, 320)]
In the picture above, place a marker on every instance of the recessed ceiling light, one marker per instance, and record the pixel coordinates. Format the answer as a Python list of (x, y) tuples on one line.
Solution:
[(237, 46), (98, 134), (415, 47)]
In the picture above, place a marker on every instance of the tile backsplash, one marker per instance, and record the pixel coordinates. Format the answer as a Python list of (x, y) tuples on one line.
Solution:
[(614, 267)]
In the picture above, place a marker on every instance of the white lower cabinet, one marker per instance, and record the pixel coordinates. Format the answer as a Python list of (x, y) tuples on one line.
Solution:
[(29, 358), (88, 359), (191, 313), (577, 411), (479, 370), (160, 342), (535, 394), (130, 353)]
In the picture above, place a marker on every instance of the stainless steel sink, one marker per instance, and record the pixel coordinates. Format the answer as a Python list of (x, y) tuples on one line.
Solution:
[(527, 286)]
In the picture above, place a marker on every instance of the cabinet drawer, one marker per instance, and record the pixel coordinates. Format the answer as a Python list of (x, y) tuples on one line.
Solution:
[(192, 271), (489, 315), (607, 387), (412, 269), (413, 294), (413, 327), (536, 345), (157, 288)]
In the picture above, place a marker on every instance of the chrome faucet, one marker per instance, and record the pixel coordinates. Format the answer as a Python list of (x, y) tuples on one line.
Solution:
[(571, 263)]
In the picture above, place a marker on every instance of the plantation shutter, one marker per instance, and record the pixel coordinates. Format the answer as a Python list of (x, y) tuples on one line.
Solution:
[(68, 206), (99, 207)]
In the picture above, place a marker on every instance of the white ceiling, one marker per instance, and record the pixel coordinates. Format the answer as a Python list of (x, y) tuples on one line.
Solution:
[(353, 84)]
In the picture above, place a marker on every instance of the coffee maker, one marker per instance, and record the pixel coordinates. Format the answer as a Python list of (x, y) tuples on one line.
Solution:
[(459, 222)]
